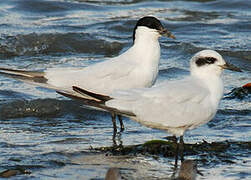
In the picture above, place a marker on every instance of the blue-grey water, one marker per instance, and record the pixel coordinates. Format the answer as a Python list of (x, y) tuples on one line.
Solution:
[(52, 136)]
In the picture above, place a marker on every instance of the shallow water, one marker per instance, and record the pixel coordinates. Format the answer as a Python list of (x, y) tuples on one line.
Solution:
[(51, 136)]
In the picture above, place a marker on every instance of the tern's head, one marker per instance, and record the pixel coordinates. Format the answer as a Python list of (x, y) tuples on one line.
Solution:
[(150, 27), (209, 62)]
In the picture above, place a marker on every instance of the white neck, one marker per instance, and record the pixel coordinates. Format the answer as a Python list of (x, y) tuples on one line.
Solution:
[(146, 44), (214, 83), (145, 52), (146, 34)]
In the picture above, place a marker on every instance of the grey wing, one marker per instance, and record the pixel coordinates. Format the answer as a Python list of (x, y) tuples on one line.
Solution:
[(168, 105), (102, 77)]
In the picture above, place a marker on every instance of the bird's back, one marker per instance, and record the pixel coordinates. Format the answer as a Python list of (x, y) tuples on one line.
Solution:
[(132, 69), (174, 104)]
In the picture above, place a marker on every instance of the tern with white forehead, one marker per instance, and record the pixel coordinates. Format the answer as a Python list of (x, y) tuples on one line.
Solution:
[(135, 68), (175, 106)]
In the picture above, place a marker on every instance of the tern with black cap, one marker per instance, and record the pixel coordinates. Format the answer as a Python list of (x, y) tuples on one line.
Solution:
[(135, 68)]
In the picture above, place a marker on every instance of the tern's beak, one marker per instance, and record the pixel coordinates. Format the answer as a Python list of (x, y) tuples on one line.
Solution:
[(230, 67), (166, 33)]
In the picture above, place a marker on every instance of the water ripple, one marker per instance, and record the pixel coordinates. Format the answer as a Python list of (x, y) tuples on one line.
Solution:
[(33, 44)]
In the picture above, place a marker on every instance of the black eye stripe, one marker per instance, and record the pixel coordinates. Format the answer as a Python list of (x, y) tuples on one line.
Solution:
[(205, 60)]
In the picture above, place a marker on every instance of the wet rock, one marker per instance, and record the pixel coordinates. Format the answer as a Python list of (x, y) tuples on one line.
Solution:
[(13, 172), (240, 93), (216, 151), (9, 173)]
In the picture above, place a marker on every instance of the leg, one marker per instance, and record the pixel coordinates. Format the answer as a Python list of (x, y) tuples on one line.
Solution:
[(114, 124), (181, 149), (122, 128), (176, 156), (176, 153)]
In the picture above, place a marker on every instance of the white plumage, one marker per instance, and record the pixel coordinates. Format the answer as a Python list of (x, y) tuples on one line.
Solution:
[(175, 106), (178, 105), (137, 67)]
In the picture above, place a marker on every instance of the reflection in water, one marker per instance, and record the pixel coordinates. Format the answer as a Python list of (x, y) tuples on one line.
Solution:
[(117, 140), (113, 174), (188, 170)]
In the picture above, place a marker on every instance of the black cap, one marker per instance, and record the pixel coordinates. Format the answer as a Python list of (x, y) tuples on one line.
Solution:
[(152, 23)]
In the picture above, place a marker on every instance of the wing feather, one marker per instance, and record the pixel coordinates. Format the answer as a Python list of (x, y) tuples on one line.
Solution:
[(28, 74), (100, 78), (95, 103), (168, 105)]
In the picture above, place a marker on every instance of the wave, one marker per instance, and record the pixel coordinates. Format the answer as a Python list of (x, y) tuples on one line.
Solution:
[(35, 108), (44, 108), (54, 43)]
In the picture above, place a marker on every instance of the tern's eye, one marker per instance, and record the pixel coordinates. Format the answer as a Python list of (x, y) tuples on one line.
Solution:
[(205, 60)]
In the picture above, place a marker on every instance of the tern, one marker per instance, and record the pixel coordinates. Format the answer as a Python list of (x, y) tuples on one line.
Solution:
[(174, 106), (135, 68)]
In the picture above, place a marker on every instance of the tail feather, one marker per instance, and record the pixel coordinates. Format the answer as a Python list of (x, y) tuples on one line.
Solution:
[(100, 97), (22, 72), (95, 103), (32, 76)]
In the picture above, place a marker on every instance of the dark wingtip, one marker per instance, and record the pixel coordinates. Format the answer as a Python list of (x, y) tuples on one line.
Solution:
[(100, 97), (94, 103)]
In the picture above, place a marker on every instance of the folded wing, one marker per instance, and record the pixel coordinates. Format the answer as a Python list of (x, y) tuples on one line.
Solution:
[(101, 77), (170, 105)]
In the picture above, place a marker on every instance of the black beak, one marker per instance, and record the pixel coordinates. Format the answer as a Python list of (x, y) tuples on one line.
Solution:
[(230, 67), (166, 33)]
